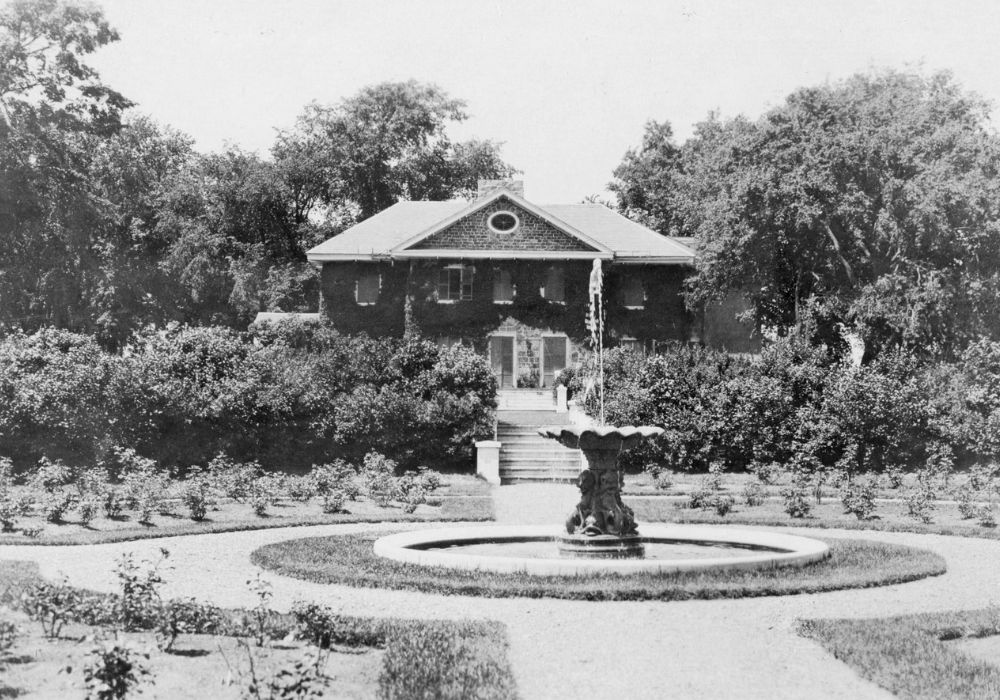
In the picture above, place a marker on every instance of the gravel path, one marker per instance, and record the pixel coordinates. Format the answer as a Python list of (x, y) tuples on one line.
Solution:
[(565, 649)]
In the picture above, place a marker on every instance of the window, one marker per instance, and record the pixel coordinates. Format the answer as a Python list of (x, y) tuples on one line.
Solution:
[(502, 222), (503, 288), (367, 287), (631, 344), (554, 288), (455, 283), (632, 295), (449, 341)]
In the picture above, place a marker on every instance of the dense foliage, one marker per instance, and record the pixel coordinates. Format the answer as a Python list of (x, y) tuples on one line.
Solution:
[(112, 222), (877, 196), (796, 406), (288, 399)]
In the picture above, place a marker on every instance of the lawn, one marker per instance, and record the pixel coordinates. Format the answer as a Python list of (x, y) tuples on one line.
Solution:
[(462, 497), (348, 559), (891, 516), (363, 657), (923, 657)]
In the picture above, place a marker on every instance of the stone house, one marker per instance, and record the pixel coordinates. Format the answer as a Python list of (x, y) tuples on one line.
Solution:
[(510, 278)]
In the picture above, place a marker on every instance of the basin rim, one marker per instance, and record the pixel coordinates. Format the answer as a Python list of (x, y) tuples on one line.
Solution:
[(408, 548)]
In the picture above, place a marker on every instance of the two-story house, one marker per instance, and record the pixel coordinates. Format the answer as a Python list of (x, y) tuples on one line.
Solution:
[(510, 278)]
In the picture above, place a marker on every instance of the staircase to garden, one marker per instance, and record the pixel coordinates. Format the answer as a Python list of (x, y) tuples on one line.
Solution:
[(525, 456)]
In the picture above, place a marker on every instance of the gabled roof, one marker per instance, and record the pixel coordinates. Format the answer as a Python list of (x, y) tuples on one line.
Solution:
[(391, 233), (598, 250)]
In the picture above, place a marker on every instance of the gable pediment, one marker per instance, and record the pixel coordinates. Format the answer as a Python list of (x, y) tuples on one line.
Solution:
[(531, 232)]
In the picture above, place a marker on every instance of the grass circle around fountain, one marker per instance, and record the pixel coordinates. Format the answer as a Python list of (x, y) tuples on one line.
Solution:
[(350, 560)]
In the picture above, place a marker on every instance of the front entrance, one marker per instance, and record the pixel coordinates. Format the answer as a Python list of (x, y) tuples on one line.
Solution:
[(502, 360), (553, 357)]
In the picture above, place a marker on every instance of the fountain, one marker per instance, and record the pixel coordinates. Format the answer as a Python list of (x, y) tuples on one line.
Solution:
[(600, 535)]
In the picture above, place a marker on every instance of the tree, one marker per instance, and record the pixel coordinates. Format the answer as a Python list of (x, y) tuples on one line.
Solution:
[(52, 108), (646, 179), (388, 142), (876, 197)]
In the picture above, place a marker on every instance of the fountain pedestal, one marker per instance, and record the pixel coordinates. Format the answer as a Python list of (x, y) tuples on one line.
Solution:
[(601, 525)]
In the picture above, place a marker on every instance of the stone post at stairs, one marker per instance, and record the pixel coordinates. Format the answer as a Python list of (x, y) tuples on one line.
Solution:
[(488, 460)]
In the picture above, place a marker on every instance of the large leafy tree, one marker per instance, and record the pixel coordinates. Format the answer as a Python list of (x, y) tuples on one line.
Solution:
[(53, 107), (388, 142), (876, 198)]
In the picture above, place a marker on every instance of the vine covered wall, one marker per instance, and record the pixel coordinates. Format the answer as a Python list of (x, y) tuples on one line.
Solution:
[(664, 316)]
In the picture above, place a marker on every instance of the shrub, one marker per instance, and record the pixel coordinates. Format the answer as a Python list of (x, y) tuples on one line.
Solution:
[(264, 492), (184, 616), (304, 677), (380, 484), (920, 504), (142, 484), (54, 404), (753, 494), (55, 505), (967, 505), (87, 509), (235, 480), (796, 499), (138, 604), (8, 636), (113, 670), (300, 488), (766, 472), (333, 501), (12, 506), (986, 515), (258, 620), (430, 480), (49, 483), (335, 476), (699, 498), (197, 495), (859, 498), (52, 604), (321, 626), (722, 503)]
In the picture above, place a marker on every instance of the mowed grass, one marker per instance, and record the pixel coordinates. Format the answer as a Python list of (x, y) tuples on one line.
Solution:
[(349, 559), (909, 656), (890, 516), (445, 659)]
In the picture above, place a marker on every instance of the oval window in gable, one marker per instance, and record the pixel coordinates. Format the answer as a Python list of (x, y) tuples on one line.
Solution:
[(503, 222)]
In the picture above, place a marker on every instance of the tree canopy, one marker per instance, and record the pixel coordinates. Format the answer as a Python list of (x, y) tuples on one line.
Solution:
[(876, 198), (112, 222), (386, 143)]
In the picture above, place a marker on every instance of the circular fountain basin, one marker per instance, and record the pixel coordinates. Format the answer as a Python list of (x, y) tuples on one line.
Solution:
[(532, 550)]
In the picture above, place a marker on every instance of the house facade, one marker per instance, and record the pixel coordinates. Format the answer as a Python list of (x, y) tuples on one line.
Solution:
[(510, 278)]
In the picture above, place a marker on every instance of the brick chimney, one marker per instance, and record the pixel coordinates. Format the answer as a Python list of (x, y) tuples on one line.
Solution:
[(488, 187)]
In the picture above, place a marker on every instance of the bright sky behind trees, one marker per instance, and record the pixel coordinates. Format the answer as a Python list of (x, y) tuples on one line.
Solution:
[(567, 84)]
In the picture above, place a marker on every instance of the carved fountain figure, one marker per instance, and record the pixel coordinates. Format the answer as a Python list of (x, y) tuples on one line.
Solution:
[(601, 525)]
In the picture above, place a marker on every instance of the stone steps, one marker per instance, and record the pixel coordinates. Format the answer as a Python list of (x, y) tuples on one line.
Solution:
[(526, 456), (525, 400)]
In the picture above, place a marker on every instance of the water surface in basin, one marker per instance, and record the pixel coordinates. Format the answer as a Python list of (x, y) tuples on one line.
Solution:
[(541, 549)]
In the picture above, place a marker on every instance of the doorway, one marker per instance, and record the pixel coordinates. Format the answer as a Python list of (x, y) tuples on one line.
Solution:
[(502, 360), (554, 354)]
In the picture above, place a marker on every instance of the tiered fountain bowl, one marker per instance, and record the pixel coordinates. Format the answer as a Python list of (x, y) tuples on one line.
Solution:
[(600, 536), (600, 526)]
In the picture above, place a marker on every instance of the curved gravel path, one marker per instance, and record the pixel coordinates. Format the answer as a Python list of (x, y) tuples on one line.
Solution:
[(565, 649)]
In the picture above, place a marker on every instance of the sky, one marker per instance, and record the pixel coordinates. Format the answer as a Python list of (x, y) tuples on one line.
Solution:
[(567, 85)]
